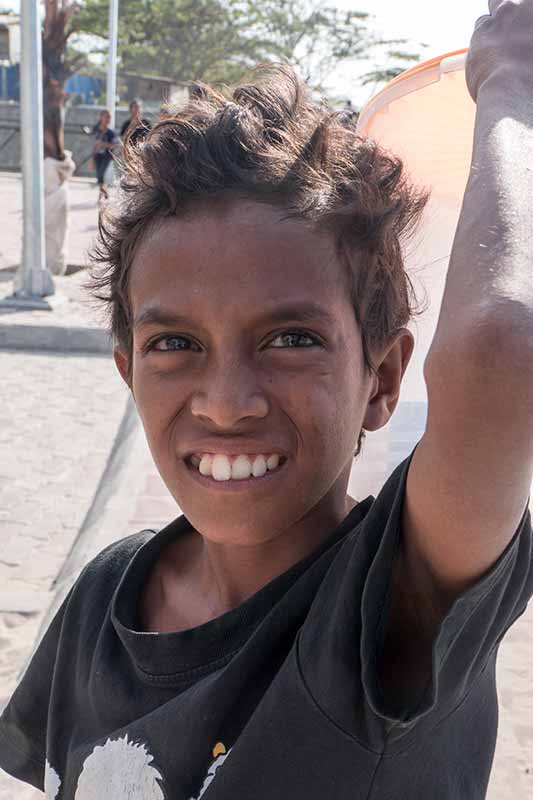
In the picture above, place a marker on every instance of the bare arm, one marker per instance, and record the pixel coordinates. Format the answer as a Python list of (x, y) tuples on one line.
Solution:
[(490, 276), (470, 477)]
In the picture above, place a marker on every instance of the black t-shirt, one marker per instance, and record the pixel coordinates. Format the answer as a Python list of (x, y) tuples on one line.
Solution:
[(277, 698)]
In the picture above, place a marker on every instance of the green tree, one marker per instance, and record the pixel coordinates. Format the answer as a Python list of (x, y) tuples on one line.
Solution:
[(179, 39), (317, 37), (218, 40), (398, 62), (211, 40)]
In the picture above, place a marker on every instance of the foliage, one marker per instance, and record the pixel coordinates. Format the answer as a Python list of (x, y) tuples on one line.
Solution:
[(219, 40), (386, 74)]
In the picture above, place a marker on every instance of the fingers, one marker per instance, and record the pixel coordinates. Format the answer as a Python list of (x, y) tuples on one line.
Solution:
[(481, 20)]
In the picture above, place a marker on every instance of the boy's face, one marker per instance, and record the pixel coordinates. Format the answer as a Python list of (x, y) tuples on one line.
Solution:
[(262, 355)]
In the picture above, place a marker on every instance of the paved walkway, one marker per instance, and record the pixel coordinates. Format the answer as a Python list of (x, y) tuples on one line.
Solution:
[(58, 416), (82, 222)]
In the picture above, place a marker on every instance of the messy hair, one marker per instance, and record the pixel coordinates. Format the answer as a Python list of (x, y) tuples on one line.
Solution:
[(268, 141)]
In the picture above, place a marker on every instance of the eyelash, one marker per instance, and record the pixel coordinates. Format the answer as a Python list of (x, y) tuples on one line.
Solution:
[(293, 332)]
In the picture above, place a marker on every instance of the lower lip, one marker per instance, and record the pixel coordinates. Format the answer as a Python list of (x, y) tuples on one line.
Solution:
[(235, 485)]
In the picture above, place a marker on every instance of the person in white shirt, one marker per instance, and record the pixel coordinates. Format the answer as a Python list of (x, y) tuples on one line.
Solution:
[(58, 168)]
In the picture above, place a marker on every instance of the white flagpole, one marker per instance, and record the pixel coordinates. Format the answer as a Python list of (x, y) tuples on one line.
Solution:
[(33, 280), (112, 62)]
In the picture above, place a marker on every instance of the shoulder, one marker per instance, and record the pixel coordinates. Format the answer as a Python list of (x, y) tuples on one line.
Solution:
[(101, 576), (113, 558)]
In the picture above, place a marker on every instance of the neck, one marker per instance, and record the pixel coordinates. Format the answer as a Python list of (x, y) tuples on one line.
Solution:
[(224, 576)]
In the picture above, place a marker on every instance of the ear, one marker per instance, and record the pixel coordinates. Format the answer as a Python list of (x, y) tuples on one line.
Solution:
[(390, 365), (122, 362)]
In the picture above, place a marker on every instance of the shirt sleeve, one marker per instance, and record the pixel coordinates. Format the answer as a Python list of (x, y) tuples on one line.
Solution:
[(345, 634), (467, 637), (27, 719), (24, 720)]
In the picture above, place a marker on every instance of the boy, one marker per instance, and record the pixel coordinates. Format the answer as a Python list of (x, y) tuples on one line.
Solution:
[(282, 639)]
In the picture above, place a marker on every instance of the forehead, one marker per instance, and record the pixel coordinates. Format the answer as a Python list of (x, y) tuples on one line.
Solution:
[(235, 257)]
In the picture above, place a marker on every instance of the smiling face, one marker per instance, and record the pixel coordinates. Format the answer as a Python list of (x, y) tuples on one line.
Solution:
[(245, 342)]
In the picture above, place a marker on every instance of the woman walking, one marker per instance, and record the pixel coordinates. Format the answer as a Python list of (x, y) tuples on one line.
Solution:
[(105, 140)]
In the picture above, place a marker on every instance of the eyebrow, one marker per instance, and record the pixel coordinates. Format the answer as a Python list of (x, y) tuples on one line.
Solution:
[(303, 312)]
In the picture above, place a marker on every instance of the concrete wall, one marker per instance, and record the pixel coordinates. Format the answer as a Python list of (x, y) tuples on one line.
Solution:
[(75, 139)]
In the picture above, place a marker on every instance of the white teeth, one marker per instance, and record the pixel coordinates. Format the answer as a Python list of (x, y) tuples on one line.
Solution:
[(272, 461), (259, 467), (241, 468), (221, 468), (205, 466)]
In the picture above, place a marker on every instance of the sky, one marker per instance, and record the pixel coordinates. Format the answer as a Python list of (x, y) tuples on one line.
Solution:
[(444, 27)]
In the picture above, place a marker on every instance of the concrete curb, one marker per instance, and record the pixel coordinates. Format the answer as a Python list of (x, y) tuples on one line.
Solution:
[(54, 337)]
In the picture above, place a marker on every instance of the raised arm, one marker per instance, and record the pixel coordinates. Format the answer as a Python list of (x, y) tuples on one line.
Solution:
[(470, 477)]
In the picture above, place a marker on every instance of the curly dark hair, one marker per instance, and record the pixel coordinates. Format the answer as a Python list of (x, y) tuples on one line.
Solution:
[(268, 141)]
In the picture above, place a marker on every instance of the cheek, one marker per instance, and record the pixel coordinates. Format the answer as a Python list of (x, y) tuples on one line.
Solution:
[(328, 410), (157, 397)]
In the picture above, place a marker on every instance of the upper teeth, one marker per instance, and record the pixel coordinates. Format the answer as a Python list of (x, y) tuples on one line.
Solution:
[(222, 468)]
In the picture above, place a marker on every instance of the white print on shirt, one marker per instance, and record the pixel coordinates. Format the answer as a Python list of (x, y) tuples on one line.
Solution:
[(119, 770), (52, 782), (220, 755)]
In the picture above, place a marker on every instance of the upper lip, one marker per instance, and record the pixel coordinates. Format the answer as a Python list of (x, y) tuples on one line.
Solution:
[(234, 449)]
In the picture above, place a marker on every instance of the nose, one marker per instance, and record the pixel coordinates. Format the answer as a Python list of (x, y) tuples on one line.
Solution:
[(228, 394)]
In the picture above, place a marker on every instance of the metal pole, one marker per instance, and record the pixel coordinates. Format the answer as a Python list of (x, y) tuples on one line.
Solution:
[(33, 280), (112, 62)]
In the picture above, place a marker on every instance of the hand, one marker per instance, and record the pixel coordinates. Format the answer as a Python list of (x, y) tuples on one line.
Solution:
[(502, 43)]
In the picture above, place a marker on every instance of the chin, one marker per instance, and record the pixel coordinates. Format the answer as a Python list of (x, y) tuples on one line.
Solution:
[(235, 529)]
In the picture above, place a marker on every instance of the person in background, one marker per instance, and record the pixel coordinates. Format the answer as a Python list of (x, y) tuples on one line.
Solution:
[(58, 168), (349, 114), (136, 127), (105, 140)]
